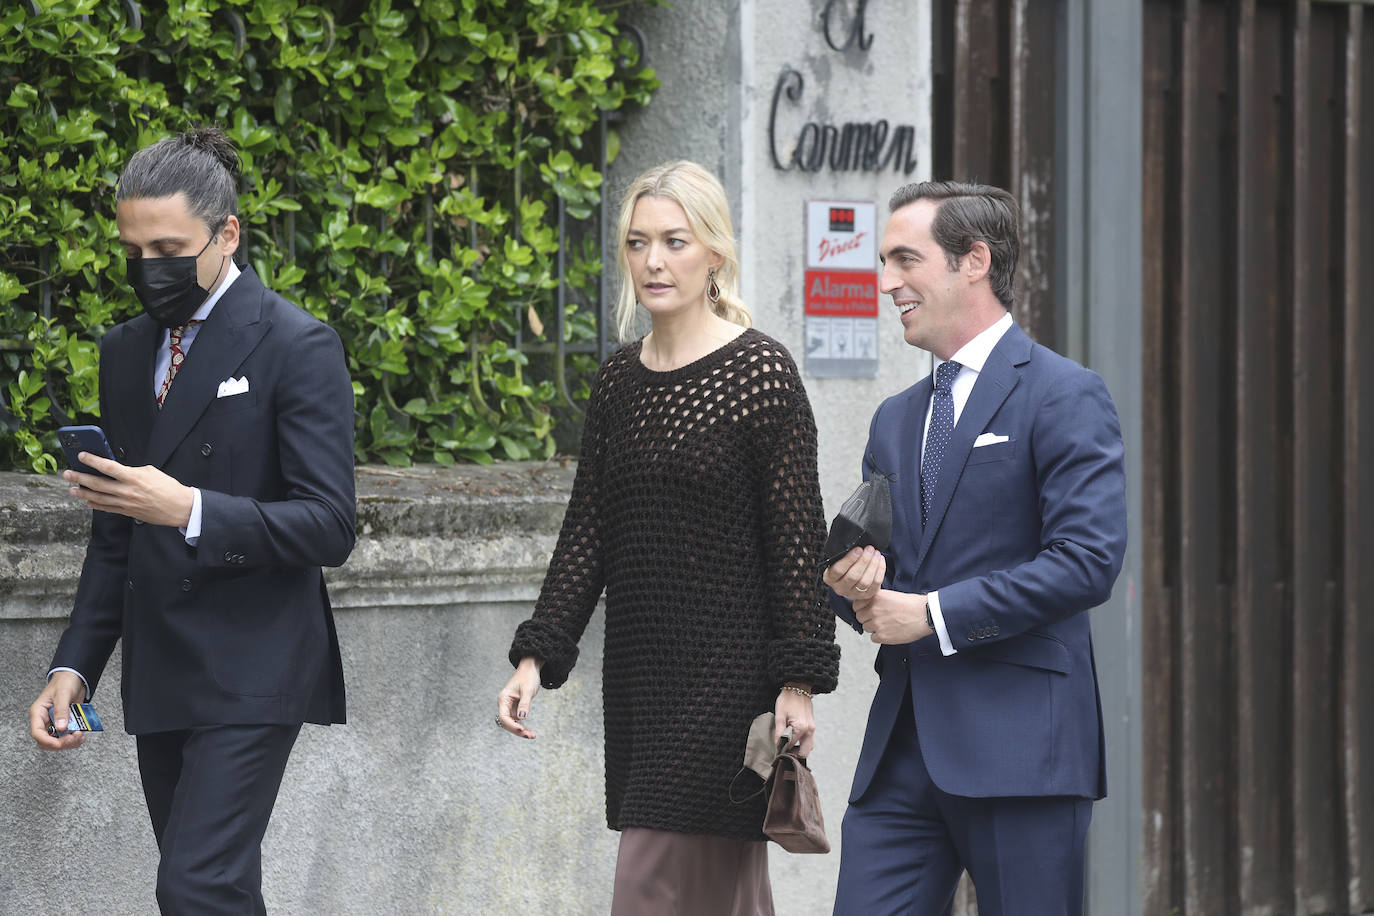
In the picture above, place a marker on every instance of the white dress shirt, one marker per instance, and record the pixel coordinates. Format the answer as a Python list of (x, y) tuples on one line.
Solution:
[(972, 356)]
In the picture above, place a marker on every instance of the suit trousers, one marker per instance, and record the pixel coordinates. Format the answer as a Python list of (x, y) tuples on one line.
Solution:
[(210, 793), (905, 844)]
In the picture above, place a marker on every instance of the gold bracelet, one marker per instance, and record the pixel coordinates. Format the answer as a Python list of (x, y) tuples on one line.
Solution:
[(801, 690)]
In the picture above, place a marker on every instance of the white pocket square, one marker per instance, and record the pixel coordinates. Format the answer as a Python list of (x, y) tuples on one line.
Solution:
[(231, 386), (988, 439)]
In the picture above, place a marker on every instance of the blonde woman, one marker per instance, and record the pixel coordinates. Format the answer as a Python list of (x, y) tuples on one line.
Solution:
[(696, 508)]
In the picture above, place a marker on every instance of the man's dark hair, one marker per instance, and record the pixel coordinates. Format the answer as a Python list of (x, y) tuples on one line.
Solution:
[(200, 163), (968, 213)]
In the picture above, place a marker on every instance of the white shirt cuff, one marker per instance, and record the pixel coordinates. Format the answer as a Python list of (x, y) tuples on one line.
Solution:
[(933, 600), (78, 674), (192, 529)]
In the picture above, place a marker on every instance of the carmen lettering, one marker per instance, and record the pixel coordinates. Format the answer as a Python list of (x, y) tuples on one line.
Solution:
[(850, 147)]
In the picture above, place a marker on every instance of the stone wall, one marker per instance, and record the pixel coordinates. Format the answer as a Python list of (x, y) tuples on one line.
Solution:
[(418, 805)]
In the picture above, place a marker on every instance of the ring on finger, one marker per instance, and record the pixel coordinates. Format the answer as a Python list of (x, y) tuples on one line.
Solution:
[(860, 588)]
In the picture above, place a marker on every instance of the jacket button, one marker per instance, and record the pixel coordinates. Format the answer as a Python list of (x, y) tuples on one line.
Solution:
[(905, 661), (206, 448), (138, 521), (228, 557), (185, 585), (131, 585), (120, 452)]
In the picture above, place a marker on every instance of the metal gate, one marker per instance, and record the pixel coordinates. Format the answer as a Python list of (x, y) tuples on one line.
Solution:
[(1259, 450)]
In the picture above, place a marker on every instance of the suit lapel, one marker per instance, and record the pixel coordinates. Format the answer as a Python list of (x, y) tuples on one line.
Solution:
[(234, 328), (911, 451), (131, 397), (1000, 375)]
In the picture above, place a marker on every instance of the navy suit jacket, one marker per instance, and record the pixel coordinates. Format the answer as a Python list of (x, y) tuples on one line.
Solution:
[(1023, 537), (237, 629)]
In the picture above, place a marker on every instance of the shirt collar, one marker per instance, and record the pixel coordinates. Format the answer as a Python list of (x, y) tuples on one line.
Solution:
[(230, 275), (975, 353)]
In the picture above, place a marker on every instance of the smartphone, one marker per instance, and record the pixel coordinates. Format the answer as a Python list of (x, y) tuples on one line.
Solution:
[(81, 717), (77, 439)]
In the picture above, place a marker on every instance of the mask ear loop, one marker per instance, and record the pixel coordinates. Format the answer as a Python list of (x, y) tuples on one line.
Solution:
[(874, 469), (214, 233)]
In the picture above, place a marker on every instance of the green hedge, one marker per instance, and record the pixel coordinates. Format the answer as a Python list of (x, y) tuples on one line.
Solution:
[(363, 126)]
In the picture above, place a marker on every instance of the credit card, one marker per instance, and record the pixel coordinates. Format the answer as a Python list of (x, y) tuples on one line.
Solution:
[(82, 717)]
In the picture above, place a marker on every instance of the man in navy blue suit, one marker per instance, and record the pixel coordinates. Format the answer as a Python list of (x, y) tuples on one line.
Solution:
[(230, 413), (984, 747)]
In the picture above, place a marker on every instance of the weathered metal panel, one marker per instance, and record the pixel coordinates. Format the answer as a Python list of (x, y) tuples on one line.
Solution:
[(1358, 643), (1159, 675), (1205, 662), (1263, 469), (1032, 140), (1261, 507), (1316, 542), (980, 93)]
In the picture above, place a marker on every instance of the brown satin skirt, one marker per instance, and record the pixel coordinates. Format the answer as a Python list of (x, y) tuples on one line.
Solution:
[(662, 873)]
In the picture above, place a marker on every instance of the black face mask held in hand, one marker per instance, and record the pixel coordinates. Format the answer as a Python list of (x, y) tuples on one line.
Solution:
[(167, 287), (865, 519)]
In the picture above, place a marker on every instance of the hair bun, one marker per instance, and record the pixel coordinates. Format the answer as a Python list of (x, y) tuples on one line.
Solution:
[(213, 141)]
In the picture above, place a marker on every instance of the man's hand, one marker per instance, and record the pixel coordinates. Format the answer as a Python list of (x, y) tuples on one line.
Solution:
[(893, 618), (143, 493), (858, 574), (64, 689)]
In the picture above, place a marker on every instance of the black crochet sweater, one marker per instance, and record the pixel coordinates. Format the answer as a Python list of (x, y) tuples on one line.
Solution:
[(696, 506)]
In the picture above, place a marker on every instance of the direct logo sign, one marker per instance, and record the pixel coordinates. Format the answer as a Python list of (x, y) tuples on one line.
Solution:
[(840, 235)]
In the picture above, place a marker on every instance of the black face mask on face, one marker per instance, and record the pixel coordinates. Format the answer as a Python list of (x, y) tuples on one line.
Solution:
[(167, 287)]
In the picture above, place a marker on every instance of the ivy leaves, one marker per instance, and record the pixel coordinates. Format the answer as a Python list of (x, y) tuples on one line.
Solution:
[(404, 162)]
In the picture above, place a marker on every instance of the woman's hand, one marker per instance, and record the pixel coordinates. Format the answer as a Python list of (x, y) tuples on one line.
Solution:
[(513, 702), (794, 709)]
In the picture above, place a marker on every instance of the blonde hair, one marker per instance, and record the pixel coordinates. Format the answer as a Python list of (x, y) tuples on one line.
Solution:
[(702, 198)]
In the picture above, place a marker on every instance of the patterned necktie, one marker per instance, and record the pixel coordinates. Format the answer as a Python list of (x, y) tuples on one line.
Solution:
[(178, 357), (937, 436)]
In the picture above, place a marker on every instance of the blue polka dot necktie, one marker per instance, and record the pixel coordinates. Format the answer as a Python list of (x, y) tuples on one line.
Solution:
[(937, 436)]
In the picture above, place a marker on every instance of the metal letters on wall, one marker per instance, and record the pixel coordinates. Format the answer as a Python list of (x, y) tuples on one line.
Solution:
[(867, 146)]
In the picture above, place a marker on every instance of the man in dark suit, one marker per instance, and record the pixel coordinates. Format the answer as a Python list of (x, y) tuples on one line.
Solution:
[(230, 412), (984, 748)]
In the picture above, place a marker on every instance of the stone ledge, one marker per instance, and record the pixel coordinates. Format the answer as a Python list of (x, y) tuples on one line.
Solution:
[(441, 535)]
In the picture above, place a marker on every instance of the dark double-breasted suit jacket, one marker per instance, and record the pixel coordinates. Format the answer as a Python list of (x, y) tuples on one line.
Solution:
[(237, 629), (1024, 536)]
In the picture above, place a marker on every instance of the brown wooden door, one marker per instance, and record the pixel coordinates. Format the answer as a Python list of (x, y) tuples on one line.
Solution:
[(1259, 444)]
